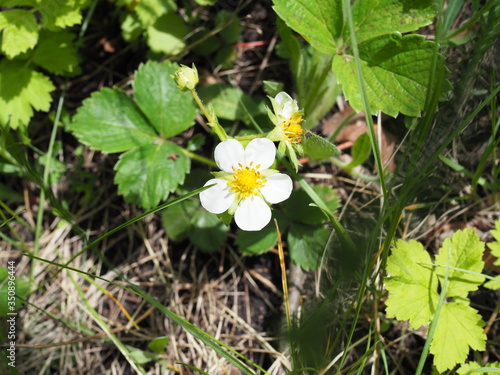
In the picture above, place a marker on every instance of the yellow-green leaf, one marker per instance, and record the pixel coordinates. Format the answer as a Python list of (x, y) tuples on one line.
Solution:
[(19, 31), (22, 90), (412, 285), (459, 329), (466, 252)]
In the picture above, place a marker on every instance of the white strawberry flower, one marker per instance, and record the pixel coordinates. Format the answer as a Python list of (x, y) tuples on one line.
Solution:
[(246, 186), (288, 130)]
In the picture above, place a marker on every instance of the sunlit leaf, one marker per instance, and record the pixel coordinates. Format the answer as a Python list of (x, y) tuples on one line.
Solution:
[(22, 90), (396, 71), (110, 121), (19, 31), (170, 110)]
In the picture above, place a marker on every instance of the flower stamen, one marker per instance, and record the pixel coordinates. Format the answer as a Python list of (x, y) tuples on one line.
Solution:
[(292, 129), (246, 181)]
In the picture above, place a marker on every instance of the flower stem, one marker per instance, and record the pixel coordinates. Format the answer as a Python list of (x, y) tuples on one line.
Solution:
[(199, 158), (213, 122)]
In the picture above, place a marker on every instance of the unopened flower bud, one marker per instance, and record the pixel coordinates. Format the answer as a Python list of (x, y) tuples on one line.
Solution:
[(186, 77)]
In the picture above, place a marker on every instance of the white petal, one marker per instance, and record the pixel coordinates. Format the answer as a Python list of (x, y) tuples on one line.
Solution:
[(287, 111), (229, 154), (277, 188), (217, 199), (260, 151), (252, 214), (282, 97)]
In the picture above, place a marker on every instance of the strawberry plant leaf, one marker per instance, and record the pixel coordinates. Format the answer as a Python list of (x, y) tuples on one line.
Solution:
[(307, 244), (412, 286), (149, 11), (19, 31), (373, 19), (396, 70), (254, 243), (147, 174), (466, 252), (22, 90), (459, 328), (167, 34), (319, 22), (177, 219), (110, 121), (207, 232), (169, 110), (56, 53), (298, 207)]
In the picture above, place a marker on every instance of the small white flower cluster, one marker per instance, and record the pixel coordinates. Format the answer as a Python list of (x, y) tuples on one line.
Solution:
[(246, 186)]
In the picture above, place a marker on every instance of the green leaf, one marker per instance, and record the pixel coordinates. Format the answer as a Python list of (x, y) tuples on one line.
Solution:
[(318, 148), (177, 219), (57, 14), (167, 34), (459, 328), (360, 151), (232, 32), (207, 232), (307, 244), (110, 121), (396, 70), (170, 110), (229, 102), (20, 287), (472, 368), (319, 22), (20, 31), (131, 27), (149, 11), (140, 356), (493, 284), (254, 243), (466, 252), (495, 246), (22, 90), (146, 174), (319, 87), (196, 141), (298, 207), (56, 53), (206, 2), (158, 344), (412, 285), (373, 19), (209, 44)]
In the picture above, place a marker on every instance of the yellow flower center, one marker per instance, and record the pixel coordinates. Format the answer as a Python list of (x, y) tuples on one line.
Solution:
[(292, 128), (246, 181)]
